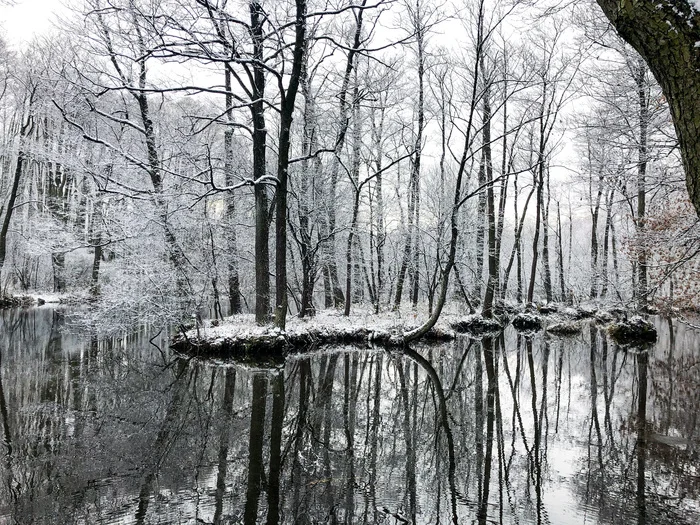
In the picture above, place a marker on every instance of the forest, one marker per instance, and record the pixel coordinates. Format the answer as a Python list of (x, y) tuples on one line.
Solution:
[(163, 159), (350, 261)]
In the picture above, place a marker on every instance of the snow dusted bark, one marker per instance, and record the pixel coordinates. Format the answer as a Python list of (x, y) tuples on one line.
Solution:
[(9, 207), (666, 33), (286, 117)]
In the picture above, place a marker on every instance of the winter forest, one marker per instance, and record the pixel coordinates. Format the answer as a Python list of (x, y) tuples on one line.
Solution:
[(350, 261), (165, 157)]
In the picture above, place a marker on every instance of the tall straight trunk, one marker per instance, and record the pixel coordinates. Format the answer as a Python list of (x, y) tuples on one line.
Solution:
[(57, 200), (595, 213), (642, 159), (506, 165), (480, 232), (560, 256), (493, 255), (616, 266), (353, 256), (96, 242), (606, 243), (309, 171), (262, 220), (538, 181), (378, 134), (348, 251), (411, 258), (547, 280), (418, 146), (408, 240), (571, 240), (286, 116), (58, 262), (234, 288)]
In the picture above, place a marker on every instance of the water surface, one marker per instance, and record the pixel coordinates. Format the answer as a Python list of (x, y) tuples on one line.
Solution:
[(511, 430)]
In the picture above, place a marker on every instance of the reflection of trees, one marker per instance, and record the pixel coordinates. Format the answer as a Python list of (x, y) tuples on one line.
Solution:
[(444, 424), (7, 441), (628, 474), (163, 441), (255, 448), (465, 434), (225, 438)]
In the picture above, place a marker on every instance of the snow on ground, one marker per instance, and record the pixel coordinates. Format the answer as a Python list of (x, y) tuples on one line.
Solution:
[(324, 323)]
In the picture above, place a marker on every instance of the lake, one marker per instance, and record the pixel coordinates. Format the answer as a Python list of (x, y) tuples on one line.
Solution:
[(511, 430)]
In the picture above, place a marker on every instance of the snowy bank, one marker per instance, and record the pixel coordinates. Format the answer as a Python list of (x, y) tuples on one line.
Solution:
[(240, 337), (633, 331)]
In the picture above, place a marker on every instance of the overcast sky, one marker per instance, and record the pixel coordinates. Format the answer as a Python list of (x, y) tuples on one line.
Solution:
[(26, 18)]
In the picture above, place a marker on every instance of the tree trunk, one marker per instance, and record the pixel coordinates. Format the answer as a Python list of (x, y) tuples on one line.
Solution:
[(480, 232), (537, 182), (306, 200), (408, 239), (517, 248), (665, 34), (606, 243), (493, 255), (547, 281), (234, 289), (419, 27), (560, 256), (595, 213), (286, 116), (262, 222), (642, 159), (10, 206)]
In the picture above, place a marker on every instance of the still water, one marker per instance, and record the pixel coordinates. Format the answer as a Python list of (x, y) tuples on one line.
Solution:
[(510, 430)]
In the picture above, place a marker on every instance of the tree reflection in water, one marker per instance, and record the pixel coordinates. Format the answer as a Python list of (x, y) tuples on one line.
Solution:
[(509, 429)]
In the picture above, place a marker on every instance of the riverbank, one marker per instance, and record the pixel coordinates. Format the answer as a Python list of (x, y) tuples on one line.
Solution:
[(240, 337), (41, 298)]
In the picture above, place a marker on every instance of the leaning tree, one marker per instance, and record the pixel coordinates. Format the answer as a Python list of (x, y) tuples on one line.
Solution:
[(666, 33)]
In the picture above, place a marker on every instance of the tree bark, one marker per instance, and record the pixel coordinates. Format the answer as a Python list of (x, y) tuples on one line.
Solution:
[(9, 207), (234, 289), (262, 223), (493, 255), (665, 33), (336, 297), (286, 116)]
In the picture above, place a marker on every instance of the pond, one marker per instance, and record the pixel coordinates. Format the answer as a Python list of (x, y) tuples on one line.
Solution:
[(510, 430)]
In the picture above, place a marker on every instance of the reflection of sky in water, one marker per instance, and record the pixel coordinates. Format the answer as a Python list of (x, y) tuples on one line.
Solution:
[(113, 431)]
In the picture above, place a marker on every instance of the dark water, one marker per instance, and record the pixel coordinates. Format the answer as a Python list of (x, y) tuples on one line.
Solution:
[(509, 430)]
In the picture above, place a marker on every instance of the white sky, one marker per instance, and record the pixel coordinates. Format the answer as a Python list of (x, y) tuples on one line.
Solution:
[(20, 22)]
